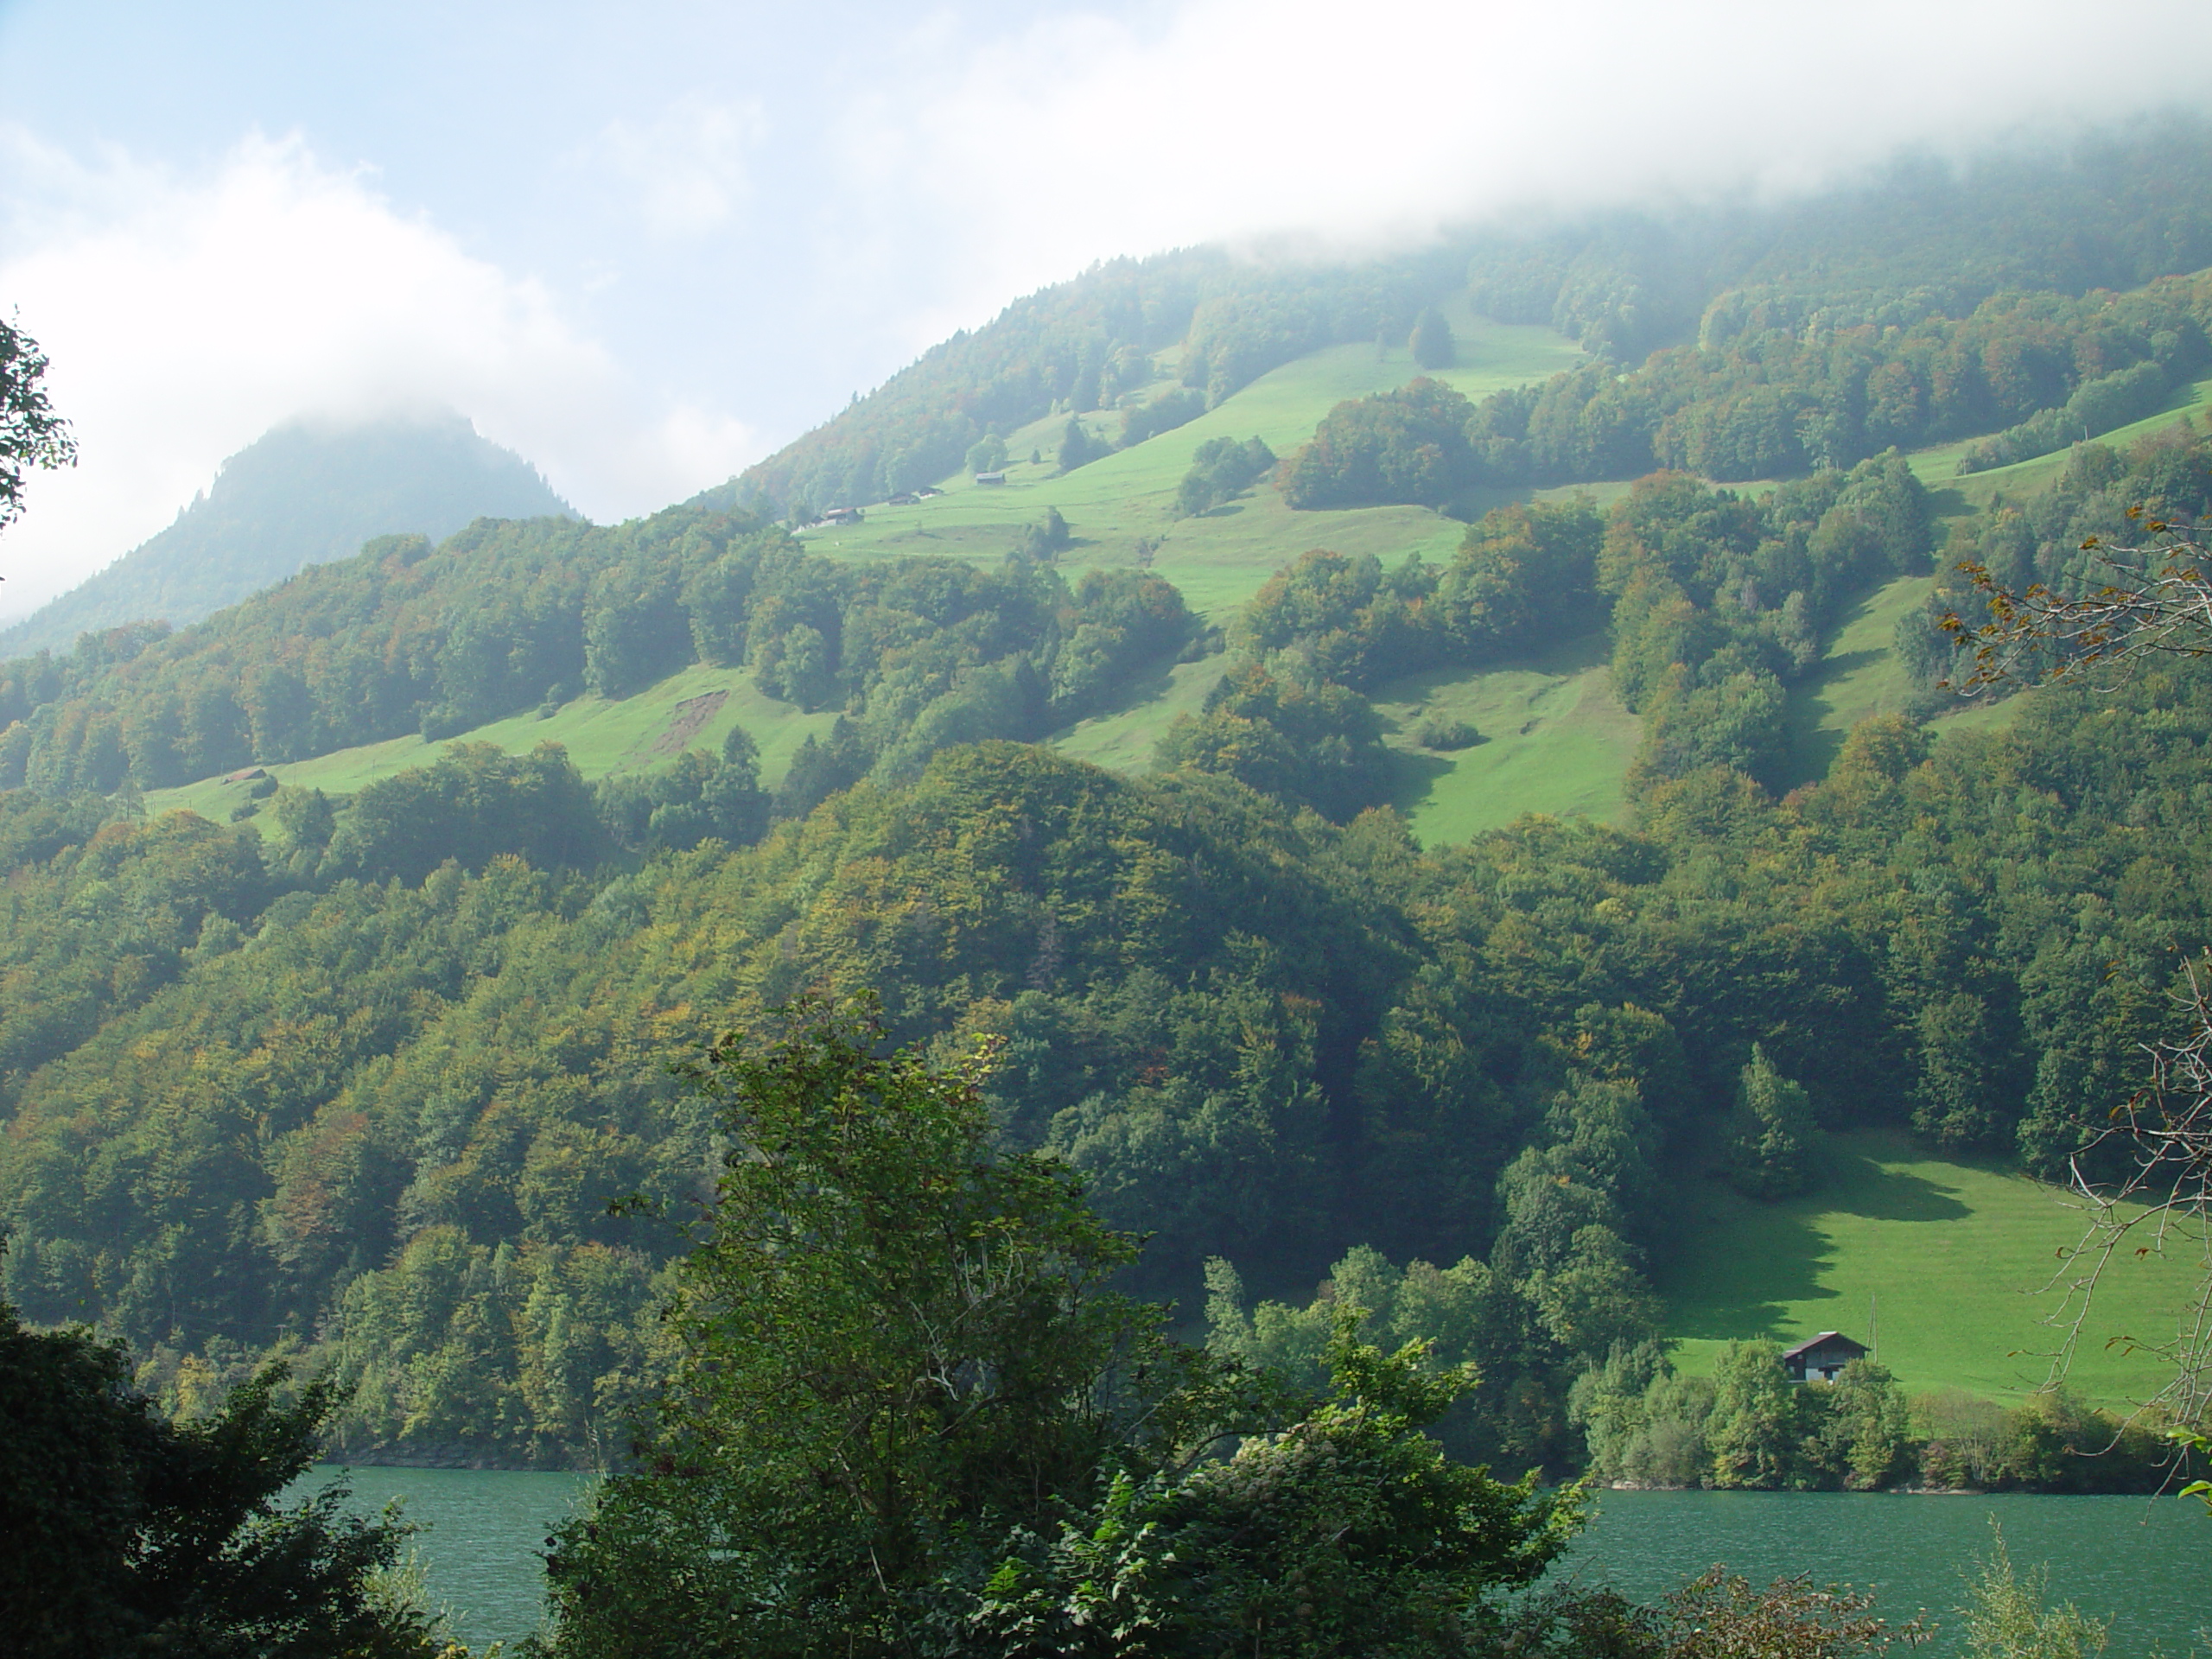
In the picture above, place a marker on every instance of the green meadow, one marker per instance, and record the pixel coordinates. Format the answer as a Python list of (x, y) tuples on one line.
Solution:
[(1938, 468), (1957, 1269), (1857, 678), (1219, 558), (1553, 738), (641, 732)]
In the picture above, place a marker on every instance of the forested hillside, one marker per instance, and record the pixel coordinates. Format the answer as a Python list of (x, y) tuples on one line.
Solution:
[(299, 495), (356, 1075), (312, 1090), (1808, 282)]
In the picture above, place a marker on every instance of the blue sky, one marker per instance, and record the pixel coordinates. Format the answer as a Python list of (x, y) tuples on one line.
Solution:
[(645, 245)]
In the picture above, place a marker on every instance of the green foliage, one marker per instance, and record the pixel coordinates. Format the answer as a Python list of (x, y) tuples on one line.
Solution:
[(1772, 1139), (2006, 1617), (129, 1533), (922, 651), (1078, 448), (1163, 414), (1045, 541), (1349, 1532), (31, 434), (1408, 445), (1746, 1426), (1221, 469), (475, 805), (2061, 539), (1312, 743), (2096, 407), (1083, 345), (1431, 341), (987, 454), (1718, 601), (1447, 732), (1524, 575), (1780, 387), (701, 798), (897, 1344)]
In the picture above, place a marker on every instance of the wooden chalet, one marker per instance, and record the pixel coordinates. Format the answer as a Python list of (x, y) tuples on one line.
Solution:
[(1823, 1357)]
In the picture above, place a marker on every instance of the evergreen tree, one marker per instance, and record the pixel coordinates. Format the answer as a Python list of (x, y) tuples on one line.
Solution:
[(1431, 341), (1772, 1137), (1078, 448)]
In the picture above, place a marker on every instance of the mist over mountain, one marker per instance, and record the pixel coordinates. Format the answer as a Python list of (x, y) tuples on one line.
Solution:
[(304, 493)]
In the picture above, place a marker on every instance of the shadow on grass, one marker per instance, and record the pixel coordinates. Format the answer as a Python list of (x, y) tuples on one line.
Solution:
[(1746, 1268), (1564, 658), (1947, 501), (1855, 1183), (1413, 775), (1808, 751)]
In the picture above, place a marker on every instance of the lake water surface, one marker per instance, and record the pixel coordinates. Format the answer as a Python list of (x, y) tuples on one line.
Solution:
[(2138, 1561)]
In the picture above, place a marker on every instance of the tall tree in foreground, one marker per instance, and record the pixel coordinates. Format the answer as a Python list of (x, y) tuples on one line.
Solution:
[(31, 434), (912, 1417), (122, 1533)]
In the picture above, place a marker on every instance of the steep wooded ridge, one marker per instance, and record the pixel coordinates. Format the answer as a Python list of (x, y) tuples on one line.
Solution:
[(302, 494), (356, 1078)]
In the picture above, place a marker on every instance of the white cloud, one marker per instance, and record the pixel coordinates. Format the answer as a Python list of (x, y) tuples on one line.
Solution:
[(185, 316), (689, 168), (1086, 136)]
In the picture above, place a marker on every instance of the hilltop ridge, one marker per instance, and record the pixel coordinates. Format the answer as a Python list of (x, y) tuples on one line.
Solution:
[(303, 493)]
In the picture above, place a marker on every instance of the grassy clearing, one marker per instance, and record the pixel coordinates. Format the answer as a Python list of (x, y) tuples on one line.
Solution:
[(643, 733), (1554, 739), (1857, 678), (1123, 737), (1938, 468), (1955, 1257), (1221, 557)]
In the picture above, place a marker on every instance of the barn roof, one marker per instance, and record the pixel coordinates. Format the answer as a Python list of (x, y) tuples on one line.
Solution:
[(1827, 1339)]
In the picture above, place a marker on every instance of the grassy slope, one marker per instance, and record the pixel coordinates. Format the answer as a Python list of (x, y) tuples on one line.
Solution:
[(637, 733), (1558, 740), (1938, 468), (1219, 559), (1857, 678), (1956, 1255), (1554, 739)]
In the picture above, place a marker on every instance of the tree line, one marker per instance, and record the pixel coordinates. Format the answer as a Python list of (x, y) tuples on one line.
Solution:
[(504, 618), (2037, 371)]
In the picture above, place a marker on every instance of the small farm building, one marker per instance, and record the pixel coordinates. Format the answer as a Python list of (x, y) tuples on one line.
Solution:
[(1824, 1356)]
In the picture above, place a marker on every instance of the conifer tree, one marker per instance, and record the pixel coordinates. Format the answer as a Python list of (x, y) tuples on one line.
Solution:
[(1432, 343)]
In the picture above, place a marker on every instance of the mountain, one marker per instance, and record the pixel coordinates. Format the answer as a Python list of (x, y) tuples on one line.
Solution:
[(350, 929), (300, 494)]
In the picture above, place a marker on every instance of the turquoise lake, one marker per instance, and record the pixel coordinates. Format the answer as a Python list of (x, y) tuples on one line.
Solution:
[(2138, 1561)]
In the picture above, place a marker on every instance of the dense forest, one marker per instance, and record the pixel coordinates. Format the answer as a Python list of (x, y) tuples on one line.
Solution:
[(357, 1080), (385, 1081), (509, 616), (1778, 396)]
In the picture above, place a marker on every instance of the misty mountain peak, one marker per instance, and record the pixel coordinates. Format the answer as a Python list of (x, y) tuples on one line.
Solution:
[(305, 492)]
